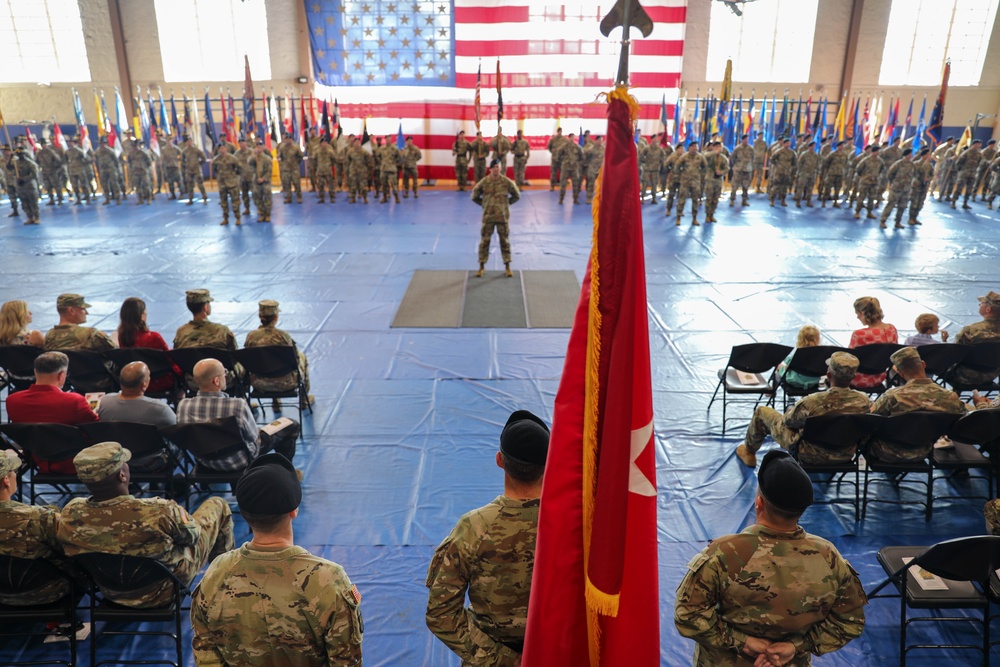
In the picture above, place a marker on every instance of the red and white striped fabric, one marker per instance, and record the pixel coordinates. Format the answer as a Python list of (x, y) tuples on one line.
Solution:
[(554, 61)]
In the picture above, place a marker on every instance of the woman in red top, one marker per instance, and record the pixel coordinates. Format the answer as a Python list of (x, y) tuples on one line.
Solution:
[(869, 311), (133, 332)]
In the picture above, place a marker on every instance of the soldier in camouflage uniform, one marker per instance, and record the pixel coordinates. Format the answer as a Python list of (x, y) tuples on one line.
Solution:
[(982, 173), (919, 393), (650, 159), (68, 334), (140, 169), (228, 172), (994, 182), (673, 177), (191, 160), (923, 174), (411, 156), (340, 149), (594, 163), (261, 177), (359, 168), (271, 602), (522, 151), (500, 145), (786, 429), (743, 170), (79, 161), (170, 160), (495, 194), (988, 330), (949, 174), (834, 166), (480, 151), (890, 155), (759, 163), (199, 332), (289, 159), (554, 147), (26, 174), (570, 161), (851, 177), (113, 521), (322, 159), (312, 143), (783, 162), (717, 165), (28, 531), (805, 178), (268, 334), (868, 171), (462, 150), (490, 554), (772, 594), (899, 180), (51, 164), (966, 166), (690, 168), (940, 163), (245, 155), (992, 515), (107, 167), (389, 160)]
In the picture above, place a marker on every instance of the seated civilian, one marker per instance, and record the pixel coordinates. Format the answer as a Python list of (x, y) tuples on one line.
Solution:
[(45, 402), (131, 405), (14, 320), (927, 325), (919, 393), (133, 332), (808, 337), (269, 334), (212, 403), (980, 332), (869, 311)]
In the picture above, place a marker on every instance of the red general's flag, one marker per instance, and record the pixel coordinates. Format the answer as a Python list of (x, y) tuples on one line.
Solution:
[(594, 591)]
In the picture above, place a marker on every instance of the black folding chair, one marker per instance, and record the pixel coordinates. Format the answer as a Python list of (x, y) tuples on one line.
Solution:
[(941, 359), (89, 373), (159, 367), (982, 360), (974, 433), (187, 357), (840, 436), (808, 361), (203, 441), (965, 566), (752, 360), (152, 460), (274, 361), (18, 364), (50, 443), (117, 576), (874, 360), (23, 577)]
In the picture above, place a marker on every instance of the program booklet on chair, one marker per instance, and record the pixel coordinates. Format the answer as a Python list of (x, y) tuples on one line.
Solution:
[(749, 378), (276, 425), (926, 580), (93, 398)]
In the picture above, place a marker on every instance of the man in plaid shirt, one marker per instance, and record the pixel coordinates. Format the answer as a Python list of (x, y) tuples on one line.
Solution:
[(212, 403)]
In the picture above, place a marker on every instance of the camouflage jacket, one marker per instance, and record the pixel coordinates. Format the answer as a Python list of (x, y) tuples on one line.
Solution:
[(595, 160), (979, 332), (389, 158), (490, 554), (968, 162), (783, 163), (479, 149), (779, 586), (461, 149), (29, 531), (170, 157), (192, 158), (652, 158), (78, 160), (500, 145), (271, 335), (555, 143), (521, 148), (228, 170), (323, 157), (759, 151), (202, 333), (49, 160), (836, 162), (918, 394), (808, 163), (75, 337), (900, 176), (570, 154), (717, 165), (743, 158), (835, 400), (869, 168), (289, 155), (992, 513), (262, 167), (690, 167), (923, 172), (411, 156), (106, 159), (359, 163), (261, 606), (495, 195)]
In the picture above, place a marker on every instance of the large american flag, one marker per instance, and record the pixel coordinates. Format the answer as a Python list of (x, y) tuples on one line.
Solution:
[(415, 61)]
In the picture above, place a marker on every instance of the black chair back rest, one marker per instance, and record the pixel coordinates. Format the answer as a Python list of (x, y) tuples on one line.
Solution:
[(915, 430), (187, 357), (24, 575), (979, 427), (118, 574), (754, 357), (874, 359), (811, 361), (942, 359), (839, 432), (209, 439), (963, 559), (268, 360), (157, 360), (19, 359), (48, 442), (140, 439), (983, 357)]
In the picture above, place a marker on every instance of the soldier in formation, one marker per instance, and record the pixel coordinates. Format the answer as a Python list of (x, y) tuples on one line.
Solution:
[(900, 182), (554, 147), (868, 171), (411, 155), (500, 145), (79, 162), (359, 168), (53, 168), (322, 158), (289, 159), (966, 166), (192, 158), (834, 167), (495, 194), (389, 160), (10, 179), (782, 167), (594, 161), (480, 151), (228, 173), (982, 173), (807, 163), (691, 168), (245, 155), (462, 150), (716, 167), (651, 158), (170, 162), (107, 169), (923, 174), (140, 167), (570, 161), (25, 173), (312, 144), (261, 178), (743, 170), (522, 151)]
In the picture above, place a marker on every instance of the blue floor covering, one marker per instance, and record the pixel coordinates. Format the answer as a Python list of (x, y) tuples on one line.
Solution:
[(406, 421)]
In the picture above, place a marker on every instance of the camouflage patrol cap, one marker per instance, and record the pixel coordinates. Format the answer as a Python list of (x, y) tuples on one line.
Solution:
[(525, 438), (198, 296), (784, 483), (99, 461), (269, 486), (268, 307), (904, 354), (843, 364), (9, 462), (992, 299), (71, 300)]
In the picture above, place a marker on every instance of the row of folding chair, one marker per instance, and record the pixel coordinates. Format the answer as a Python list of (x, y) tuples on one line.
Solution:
[(89, 575)]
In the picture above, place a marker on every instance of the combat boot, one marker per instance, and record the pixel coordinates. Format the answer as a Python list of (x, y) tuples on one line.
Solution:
[(678, 223), (415, 195), (694, 222), (870, 216), (771, 200), (481, 271), (561, 197), (654, 200), (396, 194), (298, 198), (246, 210), (732, 201), (809, 204), (857, 214), (322, 199), (238, 222), (350, 199), (899, 225), (406, 194), (953, 205), (783, 202), (225, 221), (506, 270), (365, 195), (798, 203), (576, 200), (288, 199), (385, 199), (746, 202)]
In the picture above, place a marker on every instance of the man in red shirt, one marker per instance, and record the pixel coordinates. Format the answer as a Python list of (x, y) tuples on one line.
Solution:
[(46, 402)]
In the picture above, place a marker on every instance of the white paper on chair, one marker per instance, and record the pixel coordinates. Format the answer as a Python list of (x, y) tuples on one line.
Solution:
[(276, 425), (748, 378), (926, 580), (944, 442), (93, 398)]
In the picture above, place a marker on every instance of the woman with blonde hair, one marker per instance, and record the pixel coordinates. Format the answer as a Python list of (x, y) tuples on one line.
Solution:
[(869, 312), (14, 320), (808, 337)]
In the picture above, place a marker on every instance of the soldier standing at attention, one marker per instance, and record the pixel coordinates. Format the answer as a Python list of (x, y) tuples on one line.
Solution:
[(289, 159), (717, 165), (500, 145), (868, 171), (899, 180), (340, 149), (25, 173), (965, 167), (495, 194), (480, 151), (312, 143), (228, 172), (691, 168), (522, 151), (490, 554), (923, 173), (759, 161), (261, 177), (940, 162), (411, 156), (50, 162), (594, 164), (191, 160), (78, 161), (782, 166), (462, 150), (244, 154), (322, 158), (389, 159), (107, 167), (994, 180), (554, 146), (772, 594), (673, 177), (359, 166), (805, 179), (170, 159), (834, 165), (141, 165), (271, 602), (743, 170), (651, 157), (570, 160), (982, 181)]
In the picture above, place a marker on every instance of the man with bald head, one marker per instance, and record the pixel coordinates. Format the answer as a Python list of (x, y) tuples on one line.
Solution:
[(132, 405), (212, 403)]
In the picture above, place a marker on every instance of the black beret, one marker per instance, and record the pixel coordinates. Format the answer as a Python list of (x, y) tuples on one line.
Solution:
[(784, 483), (525, 438), (269, 486), (494, 162)]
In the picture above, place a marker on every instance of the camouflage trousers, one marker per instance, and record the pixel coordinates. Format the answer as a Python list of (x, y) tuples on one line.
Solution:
[(191, 179), (898, 198), (866, 190), (246, 188), (566, 175), (338, 175), (713, 192), (947, 184), (687, 191), (661, 181), (554, 175), (112, 186), (778, 186), (291, 180), (520, 165), (172, 179), (741, 181), (671, 193), (390, 183), (757, 180), (982, 182), (262, 198), (143, 182), (486, 235), (479, 169), (592, 173), (462, 173), (649, 179), (28, 194), (992, 513), (964, 184), (410, 180), (804, 187), (357, 185), (12, 195), (324, 182), (216, 522), (831, 187), (81, 186), (768, 421), (917, 198), (229, 194), (53, 186)]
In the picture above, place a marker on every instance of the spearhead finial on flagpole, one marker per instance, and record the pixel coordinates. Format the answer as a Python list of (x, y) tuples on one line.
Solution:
[(628, 14)]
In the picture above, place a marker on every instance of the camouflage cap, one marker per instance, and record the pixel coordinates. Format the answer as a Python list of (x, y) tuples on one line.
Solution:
[(903, 355), (98, 461), (784, 483), (268, 307), (198, 296), (9, 462), (71, 300), (992, 299), (843, 364), (269, 486), (525, 438)]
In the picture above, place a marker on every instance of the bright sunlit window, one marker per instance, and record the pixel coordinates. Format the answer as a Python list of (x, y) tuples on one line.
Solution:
[(42, 41), (772, 41), (206, 41), (924, 33)]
